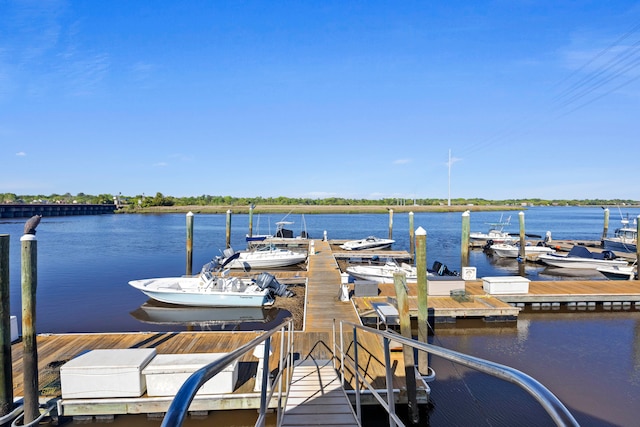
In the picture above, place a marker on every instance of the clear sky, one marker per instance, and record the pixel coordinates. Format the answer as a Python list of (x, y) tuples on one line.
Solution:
[(357, 99)]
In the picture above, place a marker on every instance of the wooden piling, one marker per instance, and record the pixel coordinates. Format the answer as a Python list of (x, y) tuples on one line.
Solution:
[(464, 243), (637, 246), (6, 379), (29, 345), (521, 252), (423, 292), (402, 295), (391, 223), (189, 243), (229, 228), (605, 229), (412, 236), (251, 206)]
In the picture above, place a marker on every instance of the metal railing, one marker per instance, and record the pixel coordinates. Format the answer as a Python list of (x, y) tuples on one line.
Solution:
[(551, 404), (180, 405)]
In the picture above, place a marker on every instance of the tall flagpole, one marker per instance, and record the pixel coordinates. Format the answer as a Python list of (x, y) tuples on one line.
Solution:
[(449, 203)]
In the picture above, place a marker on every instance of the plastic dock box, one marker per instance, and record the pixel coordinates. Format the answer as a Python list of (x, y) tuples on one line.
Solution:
[(166, 373), (443, 285), (106, 373), (505, 285)]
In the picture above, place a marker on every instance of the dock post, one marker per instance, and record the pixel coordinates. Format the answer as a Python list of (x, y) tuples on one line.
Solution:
[(400, 284), (228, 228), (189, 243), (391, 223), (637, 246), (412, 244), (464, 244), (251, 206), (29, 344), (423, 292), (6, 383), (605, 230), (521, 252)]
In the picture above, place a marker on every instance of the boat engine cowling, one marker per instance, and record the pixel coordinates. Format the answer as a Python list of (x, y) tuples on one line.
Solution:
[(268, 281)]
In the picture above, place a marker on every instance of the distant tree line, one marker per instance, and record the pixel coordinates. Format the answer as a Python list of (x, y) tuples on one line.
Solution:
[(159, 199)]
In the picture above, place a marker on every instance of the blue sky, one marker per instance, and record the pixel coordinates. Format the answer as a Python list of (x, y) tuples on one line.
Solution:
[(317, 99)]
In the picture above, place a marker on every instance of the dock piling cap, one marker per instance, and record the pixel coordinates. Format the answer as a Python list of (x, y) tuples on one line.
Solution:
[(421, 231)]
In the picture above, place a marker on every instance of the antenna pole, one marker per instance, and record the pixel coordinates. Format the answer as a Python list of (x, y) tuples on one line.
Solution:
[(449, 164)]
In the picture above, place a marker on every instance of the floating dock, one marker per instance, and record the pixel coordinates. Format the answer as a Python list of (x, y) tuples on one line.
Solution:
[(324, 303)]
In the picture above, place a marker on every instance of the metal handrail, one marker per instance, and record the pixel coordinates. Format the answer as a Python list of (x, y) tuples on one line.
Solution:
[(551, 404), (180, 405)]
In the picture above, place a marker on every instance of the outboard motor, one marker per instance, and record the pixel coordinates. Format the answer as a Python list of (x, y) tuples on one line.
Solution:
[(267, 281)]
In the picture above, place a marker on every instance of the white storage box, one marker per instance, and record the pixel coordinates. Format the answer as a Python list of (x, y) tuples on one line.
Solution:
[(505, 285), (166, 373), (443, 285), (106, 373), (14, 328)]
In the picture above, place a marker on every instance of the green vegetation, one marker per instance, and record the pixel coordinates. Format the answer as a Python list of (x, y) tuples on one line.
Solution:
[(140, 201)]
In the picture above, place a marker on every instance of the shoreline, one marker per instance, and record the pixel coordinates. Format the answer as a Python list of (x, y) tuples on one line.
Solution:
[(321, 209)]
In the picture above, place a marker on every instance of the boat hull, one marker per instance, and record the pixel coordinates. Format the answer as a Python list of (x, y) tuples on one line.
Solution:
[(618, 245), (579, 263), (381, 274), (531, 253), (191, 292), (367, 244), (266, 262)]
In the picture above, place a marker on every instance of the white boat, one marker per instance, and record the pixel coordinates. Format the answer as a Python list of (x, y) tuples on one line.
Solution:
[(207, 290), (495, 234), (581, 258), (531, 252), (282, 233), (383, 273), (268, 256), (624, 238), (371, 242), (627, 272)]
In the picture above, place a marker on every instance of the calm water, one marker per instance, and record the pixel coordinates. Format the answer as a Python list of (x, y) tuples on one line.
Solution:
[(590, 360)]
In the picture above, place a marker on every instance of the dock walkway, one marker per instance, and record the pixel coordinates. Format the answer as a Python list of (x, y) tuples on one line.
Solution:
[(317, 397)]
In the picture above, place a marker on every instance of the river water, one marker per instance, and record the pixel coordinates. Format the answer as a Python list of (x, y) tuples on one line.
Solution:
[(589, 359)]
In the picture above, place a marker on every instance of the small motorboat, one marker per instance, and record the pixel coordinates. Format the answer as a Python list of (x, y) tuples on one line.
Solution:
[(207, 290), (268, 256), (624, 238), (495, 234), (371, 242), (383, 273), (531, 252), (581, 258), (628, 272)]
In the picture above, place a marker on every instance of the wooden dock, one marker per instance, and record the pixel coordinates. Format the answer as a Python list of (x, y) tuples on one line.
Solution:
[(317, 397), (313, 341)]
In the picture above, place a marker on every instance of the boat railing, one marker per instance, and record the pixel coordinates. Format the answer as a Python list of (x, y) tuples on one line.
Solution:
[(179, 407), (551, 404)]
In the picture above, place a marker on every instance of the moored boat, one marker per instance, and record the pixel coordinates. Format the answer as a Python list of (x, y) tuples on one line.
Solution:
[(371, 242), (581, 258), (383, 273), (268, 256), (628, 272), (495, 234), (624, 238), (531, 252), (207, 290)]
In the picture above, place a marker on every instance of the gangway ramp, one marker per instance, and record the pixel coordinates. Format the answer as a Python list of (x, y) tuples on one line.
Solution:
[(316, 397)]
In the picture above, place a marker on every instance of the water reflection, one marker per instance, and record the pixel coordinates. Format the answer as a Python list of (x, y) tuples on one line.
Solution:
[(208, 318)]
